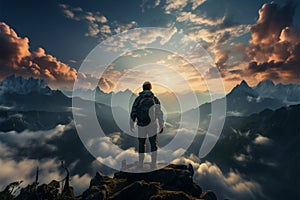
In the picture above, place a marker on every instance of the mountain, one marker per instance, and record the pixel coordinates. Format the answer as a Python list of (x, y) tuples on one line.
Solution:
[(22, 94), (171, 102), (32, 120), (242, 100), (97, 95), (31, 104), (288, 94), (20, 85)]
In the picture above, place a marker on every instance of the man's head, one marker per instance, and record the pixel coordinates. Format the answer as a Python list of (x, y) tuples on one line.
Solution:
[(147, 86)]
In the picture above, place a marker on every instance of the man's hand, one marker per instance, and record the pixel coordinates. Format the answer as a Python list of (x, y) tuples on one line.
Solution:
[(132, 129), (131, 123), (161, 130)]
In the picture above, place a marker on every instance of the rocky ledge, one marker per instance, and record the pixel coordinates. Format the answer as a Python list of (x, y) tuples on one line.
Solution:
[(171, 182)]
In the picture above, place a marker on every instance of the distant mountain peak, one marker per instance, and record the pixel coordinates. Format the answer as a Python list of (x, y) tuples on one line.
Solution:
[(244, 84), (243, 89), (266, 82), (21, 85)]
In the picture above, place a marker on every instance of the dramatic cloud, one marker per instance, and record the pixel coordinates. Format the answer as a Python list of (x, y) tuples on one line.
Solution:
[(16, 58), (274, 49)]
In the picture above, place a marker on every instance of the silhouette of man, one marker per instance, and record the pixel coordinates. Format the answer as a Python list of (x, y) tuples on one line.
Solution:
[(146, 112)]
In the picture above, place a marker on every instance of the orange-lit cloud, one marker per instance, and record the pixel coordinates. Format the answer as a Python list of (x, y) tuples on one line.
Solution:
[(274, 50), (16, 58)]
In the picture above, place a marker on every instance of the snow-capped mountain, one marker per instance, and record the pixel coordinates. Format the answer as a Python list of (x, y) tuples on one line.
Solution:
[(23, 94), (243, 100), (289, 94), (20, 85)]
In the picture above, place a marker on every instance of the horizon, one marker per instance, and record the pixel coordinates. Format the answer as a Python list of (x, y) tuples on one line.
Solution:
[(138, 90)]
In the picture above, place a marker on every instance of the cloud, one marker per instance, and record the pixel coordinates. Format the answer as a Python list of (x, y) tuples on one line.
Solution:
[(98, 25), (221, 57), (197, 3), (241, 157), (149, 36), (175, 5), (212, 73), (178, 5), (16, 58), (199, 20), (274, 49), (146, 4), (12, 170), (93, 19), (106, 83), (230, 185), (49, 169), (272, 20), (28, 138), (21, 153), (261, 140), (80, 183)]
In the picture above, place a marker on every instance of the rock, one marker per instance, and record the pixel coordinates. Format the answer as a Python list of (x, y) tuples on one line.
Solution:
[(137, 190), (100, 179), (172, 195), (171, 182), (172, 177), (208, 195)]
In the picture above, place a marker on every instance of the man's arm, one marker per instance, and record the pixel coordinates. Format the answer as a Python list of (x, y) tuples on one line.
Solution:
[(133, 114), (159, 114)]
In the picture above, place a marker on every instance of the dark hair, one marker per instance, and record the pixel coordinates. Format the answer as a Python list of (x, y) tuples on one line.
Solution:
[(147, 86)]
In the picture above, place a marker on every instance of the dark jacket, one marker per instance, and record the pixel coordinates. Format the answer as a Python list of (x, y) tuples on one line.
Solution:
[(158, 112)]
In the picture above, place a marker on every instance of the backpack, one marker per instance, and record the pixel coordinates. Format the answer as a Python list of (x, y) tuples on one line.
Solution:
[(146, 110)]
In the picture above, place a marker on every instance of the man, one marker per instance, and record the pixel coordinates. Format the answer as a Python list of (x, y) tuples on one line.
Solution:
[(147, 112)]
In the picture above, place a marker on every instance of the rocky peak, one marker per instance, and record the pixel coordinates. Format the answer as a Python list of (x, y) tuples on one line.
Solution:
[(242, 90), (244, 84)]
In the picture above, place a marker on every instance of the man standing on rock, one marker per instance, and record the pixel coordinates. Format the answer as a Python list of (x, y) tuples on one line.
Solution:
[(146, 112)]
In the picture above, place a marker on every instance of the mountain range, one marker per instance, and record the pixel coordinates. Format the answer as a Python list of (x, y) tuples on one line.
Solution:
[(259, 142), (244, 100), (241, 100), (32, 98)]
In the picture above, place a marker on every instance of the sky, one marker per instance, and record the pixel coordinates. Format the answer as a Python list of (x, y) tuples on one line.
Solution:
[(248, 40)]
